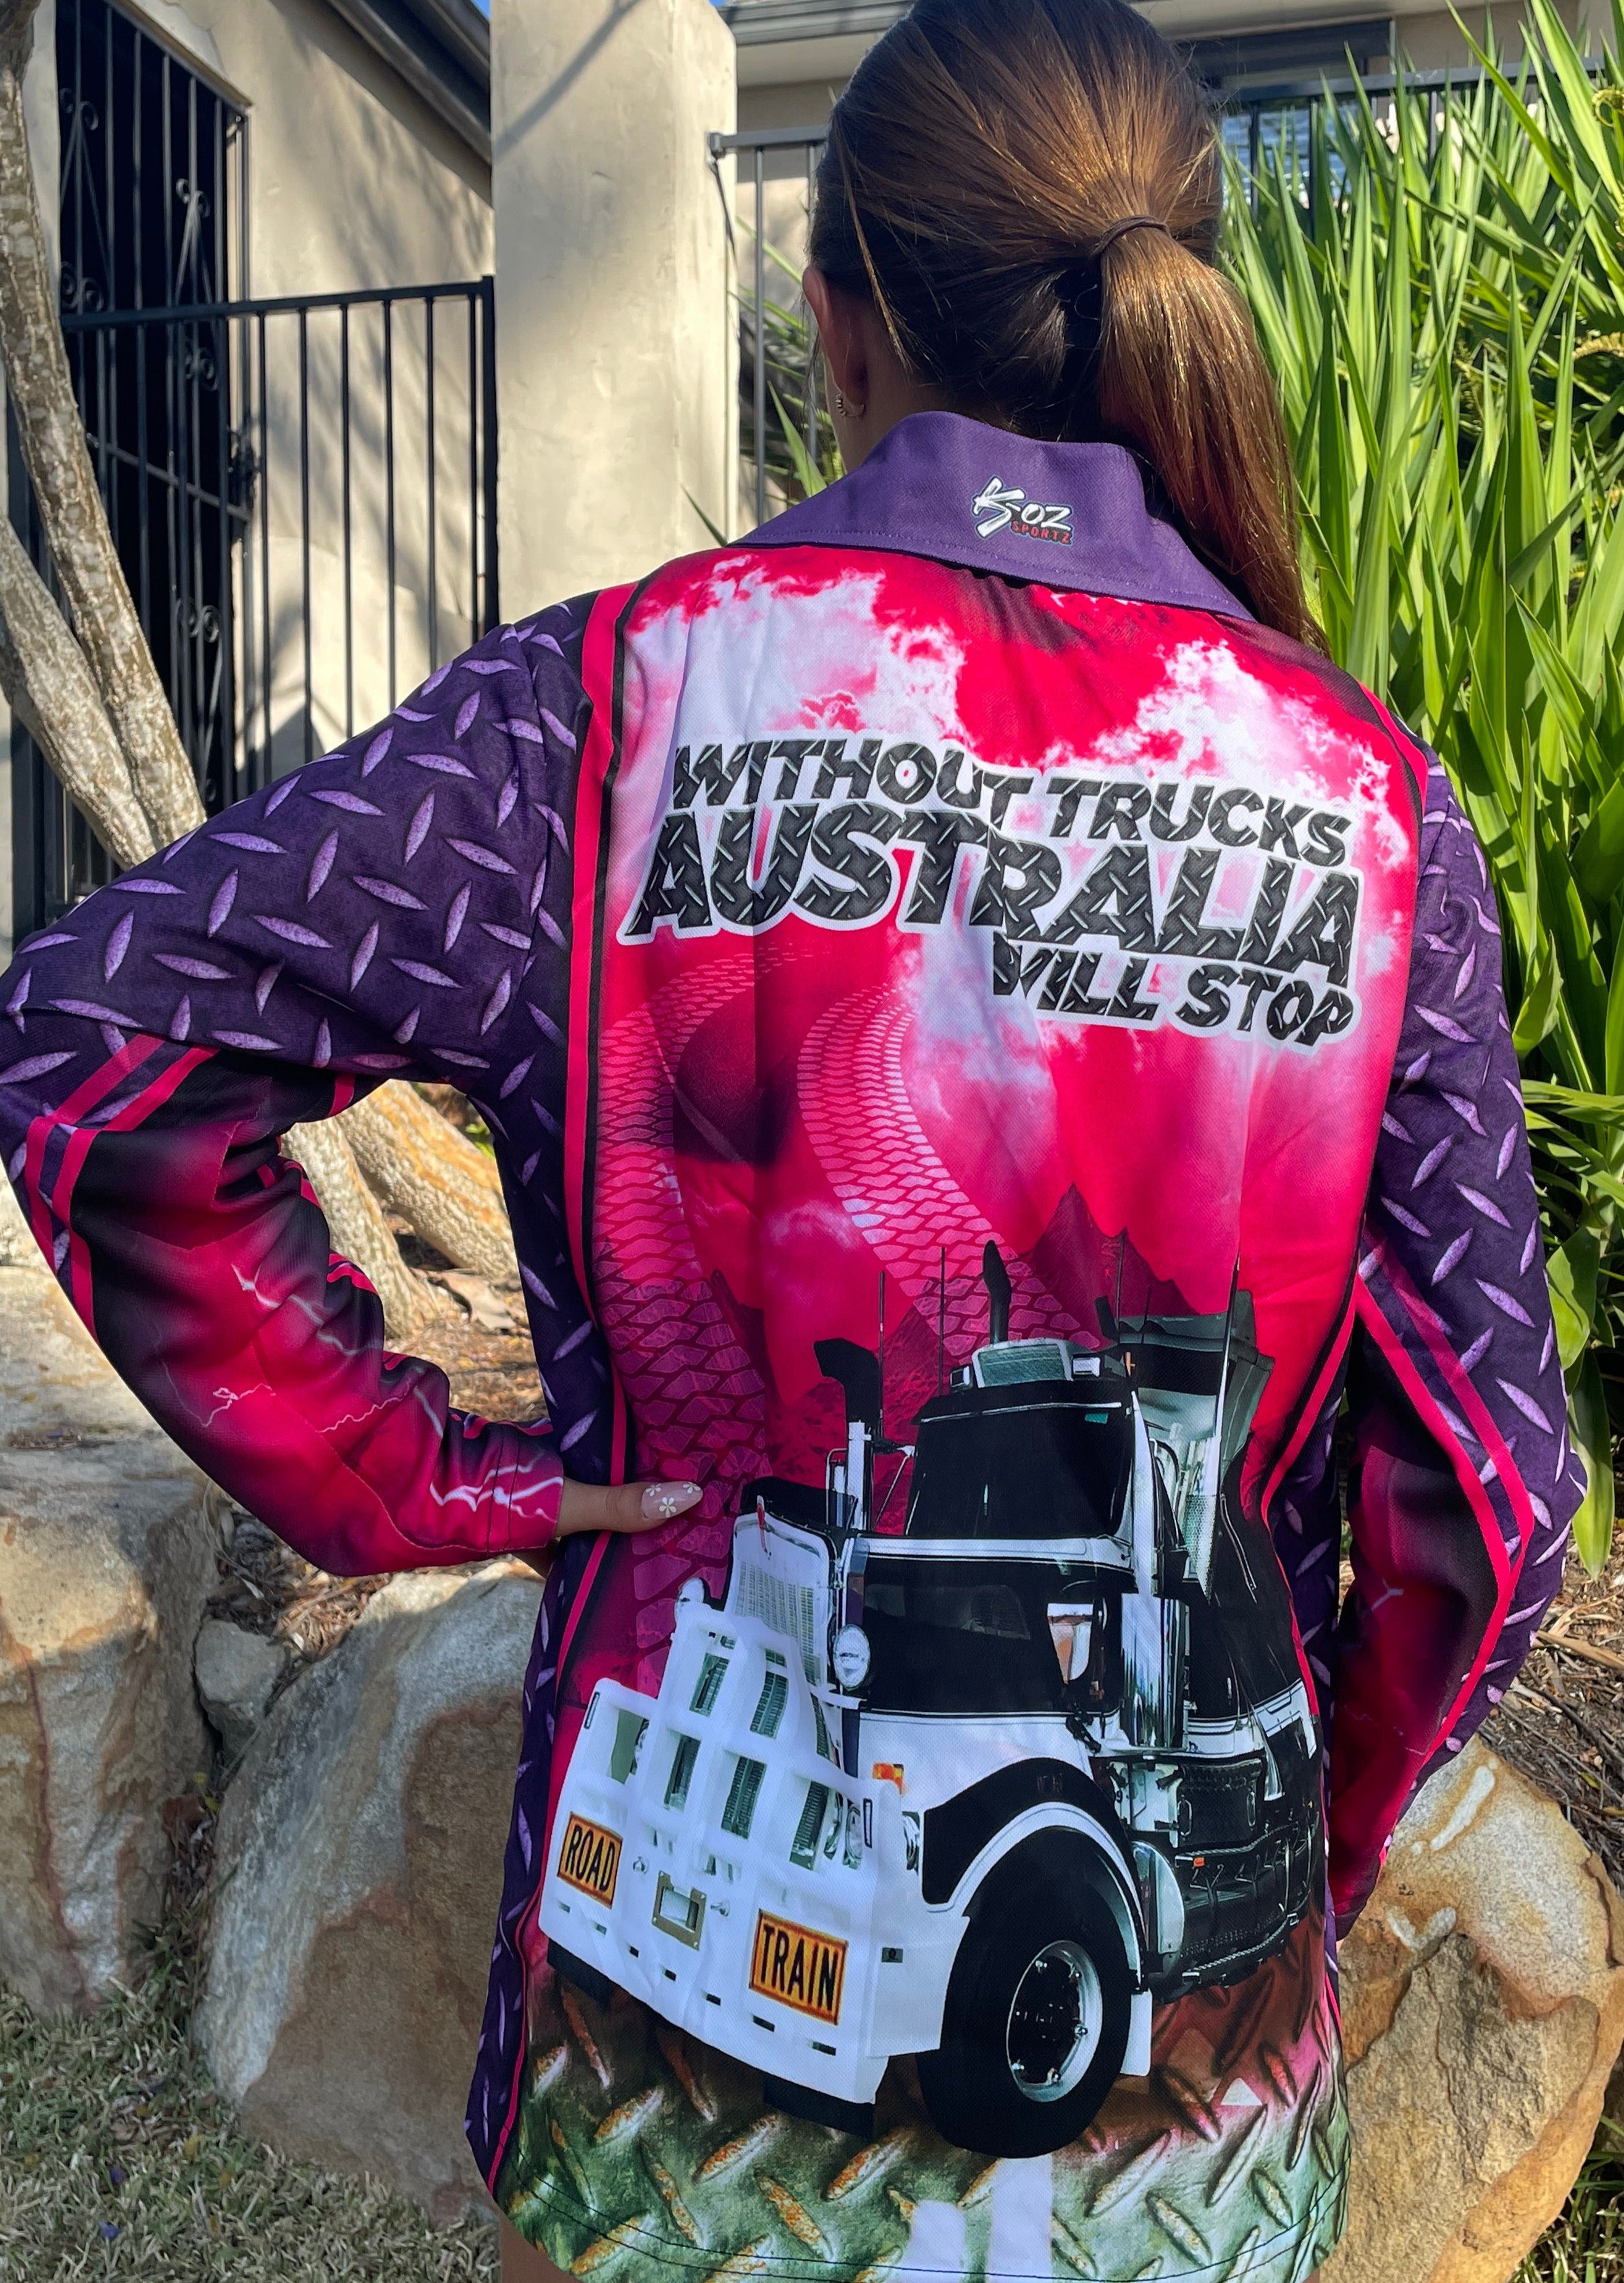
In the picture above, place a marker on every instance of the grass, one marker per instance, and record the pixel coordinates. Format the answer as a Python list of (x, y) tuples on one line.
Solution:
[(1587, 2243), (117, 2158)]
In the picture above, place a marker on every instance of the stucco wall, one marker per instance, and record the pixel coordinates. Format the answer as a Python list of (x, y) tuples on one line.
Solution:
[(613, 314), (1434, 41), (787, 103), (353, 181)]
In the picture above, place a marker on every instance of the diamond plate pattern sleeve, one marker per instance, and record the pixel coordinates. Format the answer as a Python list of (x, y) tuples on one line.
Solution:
[(399, 908), (1463, 1484)]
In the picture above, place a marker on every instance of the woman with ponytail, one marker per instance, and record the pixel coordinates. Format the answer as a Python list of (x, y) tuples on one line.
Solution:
[(993, 1044), (1017, 218)]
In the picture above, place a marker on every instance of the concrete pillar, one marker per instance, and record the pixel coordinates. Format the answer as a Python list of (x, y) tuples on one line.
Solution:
[(614, 315)]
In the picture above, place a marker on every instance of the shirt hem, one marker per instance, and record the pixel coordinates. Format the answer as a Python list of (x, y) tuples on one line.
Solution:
[(617, 2237)]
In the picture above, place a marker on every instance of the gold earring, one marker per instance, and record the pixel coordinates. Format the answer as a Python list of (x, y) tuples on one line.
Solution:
[(848, 411)]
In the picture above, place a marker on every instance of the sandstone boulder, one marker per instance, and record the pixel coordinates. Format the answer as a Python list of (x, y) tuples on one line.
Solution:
[(236, 1674), (107, 1544), (18, 1248), (359, 1869), (1483, 2011)]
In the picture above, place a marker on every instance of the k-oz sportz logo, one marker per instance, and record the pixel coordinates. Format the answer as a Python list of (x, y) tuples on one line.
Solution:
[(1004, 507)]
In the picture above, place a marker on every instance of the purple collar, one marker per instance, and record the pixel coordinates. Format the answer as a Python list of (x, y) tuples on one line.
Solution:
[(1061, 515)]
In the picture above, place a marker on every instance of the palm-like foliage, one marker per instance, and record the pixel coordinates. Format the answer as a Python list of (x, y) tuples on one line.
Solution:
[(1441, 294), (1440, 300), (797, 440)]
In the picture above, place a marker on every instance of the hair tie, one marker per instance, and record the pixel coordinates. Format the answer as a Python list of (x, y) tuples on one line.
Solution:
[(1121, 228)]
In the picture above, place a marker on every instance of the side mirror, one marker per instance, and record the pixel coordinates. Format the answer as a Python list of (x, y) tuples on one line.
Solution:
[(1071, 1629)]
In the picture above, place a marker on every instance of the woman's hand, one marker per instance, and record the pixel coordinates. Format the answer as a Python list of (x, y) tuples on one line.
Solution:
[(625, 1506)]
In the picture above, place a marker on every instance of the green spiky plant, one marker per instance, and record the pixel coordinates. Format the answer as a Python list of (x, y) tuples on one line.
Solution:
[(1586, 2243), (794, 470), (1440, 293)]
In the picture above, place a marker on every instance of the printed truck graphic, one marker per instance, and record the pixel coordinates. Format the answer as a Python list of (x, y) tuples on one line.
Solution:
[(984, 1791)]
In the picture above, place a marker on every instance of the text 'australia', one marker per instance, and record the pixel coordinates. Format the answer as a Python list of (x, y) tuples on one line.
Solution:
[(1111, 898)]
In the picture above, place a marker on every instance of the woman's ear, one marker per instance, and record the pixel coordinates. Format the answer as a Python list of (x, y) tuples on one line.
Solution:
[(841, 333), (870, 386)]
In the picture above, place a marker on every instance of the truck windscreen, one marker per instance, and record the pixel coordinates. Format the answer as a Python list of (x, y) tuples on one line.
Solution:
[(961, 1637), (993, 1468)]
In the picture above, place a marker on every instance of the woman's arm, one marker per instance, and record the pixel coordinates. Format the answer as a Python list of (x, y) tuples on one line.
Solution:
[(382, 913), (1463, 1483)]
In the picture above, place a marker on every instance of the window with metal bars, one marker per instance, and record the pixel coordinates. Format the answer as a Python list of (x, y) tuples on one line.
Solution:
[(302, 490), (151, 203)]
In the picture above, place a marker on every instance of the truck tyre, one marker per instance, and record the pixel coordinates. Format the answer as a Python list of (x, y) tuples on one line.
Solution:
[(1036, 2025)]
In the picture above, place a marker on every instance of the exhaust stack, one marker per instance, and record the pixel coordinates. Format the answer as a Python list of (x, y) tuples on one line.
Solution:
[(851, 1479), (995, 1276)]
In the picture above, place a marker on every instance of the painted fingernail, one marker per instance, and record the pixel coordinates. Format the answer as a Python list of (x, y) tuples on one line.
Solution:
[(662, 1500)]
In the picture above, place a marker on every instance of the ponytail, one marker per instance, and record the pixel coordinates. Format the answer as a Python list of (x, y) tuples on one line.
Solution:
[(1178, 374), (1029, 192)]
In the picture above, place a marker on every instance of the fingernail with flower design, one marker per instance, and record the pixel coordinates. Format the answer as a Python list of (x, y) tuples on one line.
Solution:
[(662, 1501)]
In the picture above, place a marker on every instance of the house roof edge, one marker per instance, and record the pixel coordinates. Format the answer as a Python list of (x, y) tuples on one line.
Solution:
[(442, 50)]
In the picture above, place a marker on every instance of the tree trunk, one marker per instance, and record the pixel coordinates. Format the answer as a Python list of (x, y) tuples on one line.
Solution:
[(359, 1231), (434, 1177), (58, 460), (50, 689)]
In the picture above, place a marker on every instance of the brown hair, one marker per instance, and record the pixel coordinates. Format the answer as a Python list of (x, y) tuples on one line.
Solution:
[(978, 166)]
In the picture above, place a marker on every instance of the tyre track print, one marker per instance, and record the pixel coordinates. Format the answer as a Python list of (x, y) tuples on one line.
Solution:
[(886, 1171), (684, 1362)]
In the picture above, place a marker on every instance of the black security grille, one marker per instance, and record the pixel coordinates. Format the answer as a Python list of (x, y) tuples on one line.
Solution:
[(314, 505), (152, 168), (301, 491)]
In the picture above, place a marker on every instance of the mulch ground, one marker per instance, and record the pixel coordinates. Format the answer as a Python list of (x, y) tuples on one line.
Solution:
[(1562, 1720), (1562, 1725)]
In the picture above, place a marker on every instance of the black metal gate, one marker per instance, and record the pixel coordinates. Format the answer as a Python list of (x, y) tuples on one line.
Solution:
[(152, 170), (301, 491)]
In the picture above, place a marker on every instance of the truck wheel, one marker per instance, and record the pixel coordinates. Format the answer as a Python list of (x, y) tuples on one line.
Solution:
[(1035, 2029)]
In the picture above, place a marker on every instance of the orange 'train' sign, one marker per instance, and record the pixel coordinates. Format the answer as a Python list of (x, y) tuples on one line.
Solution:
[(798, 1968), (590, 1858)]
